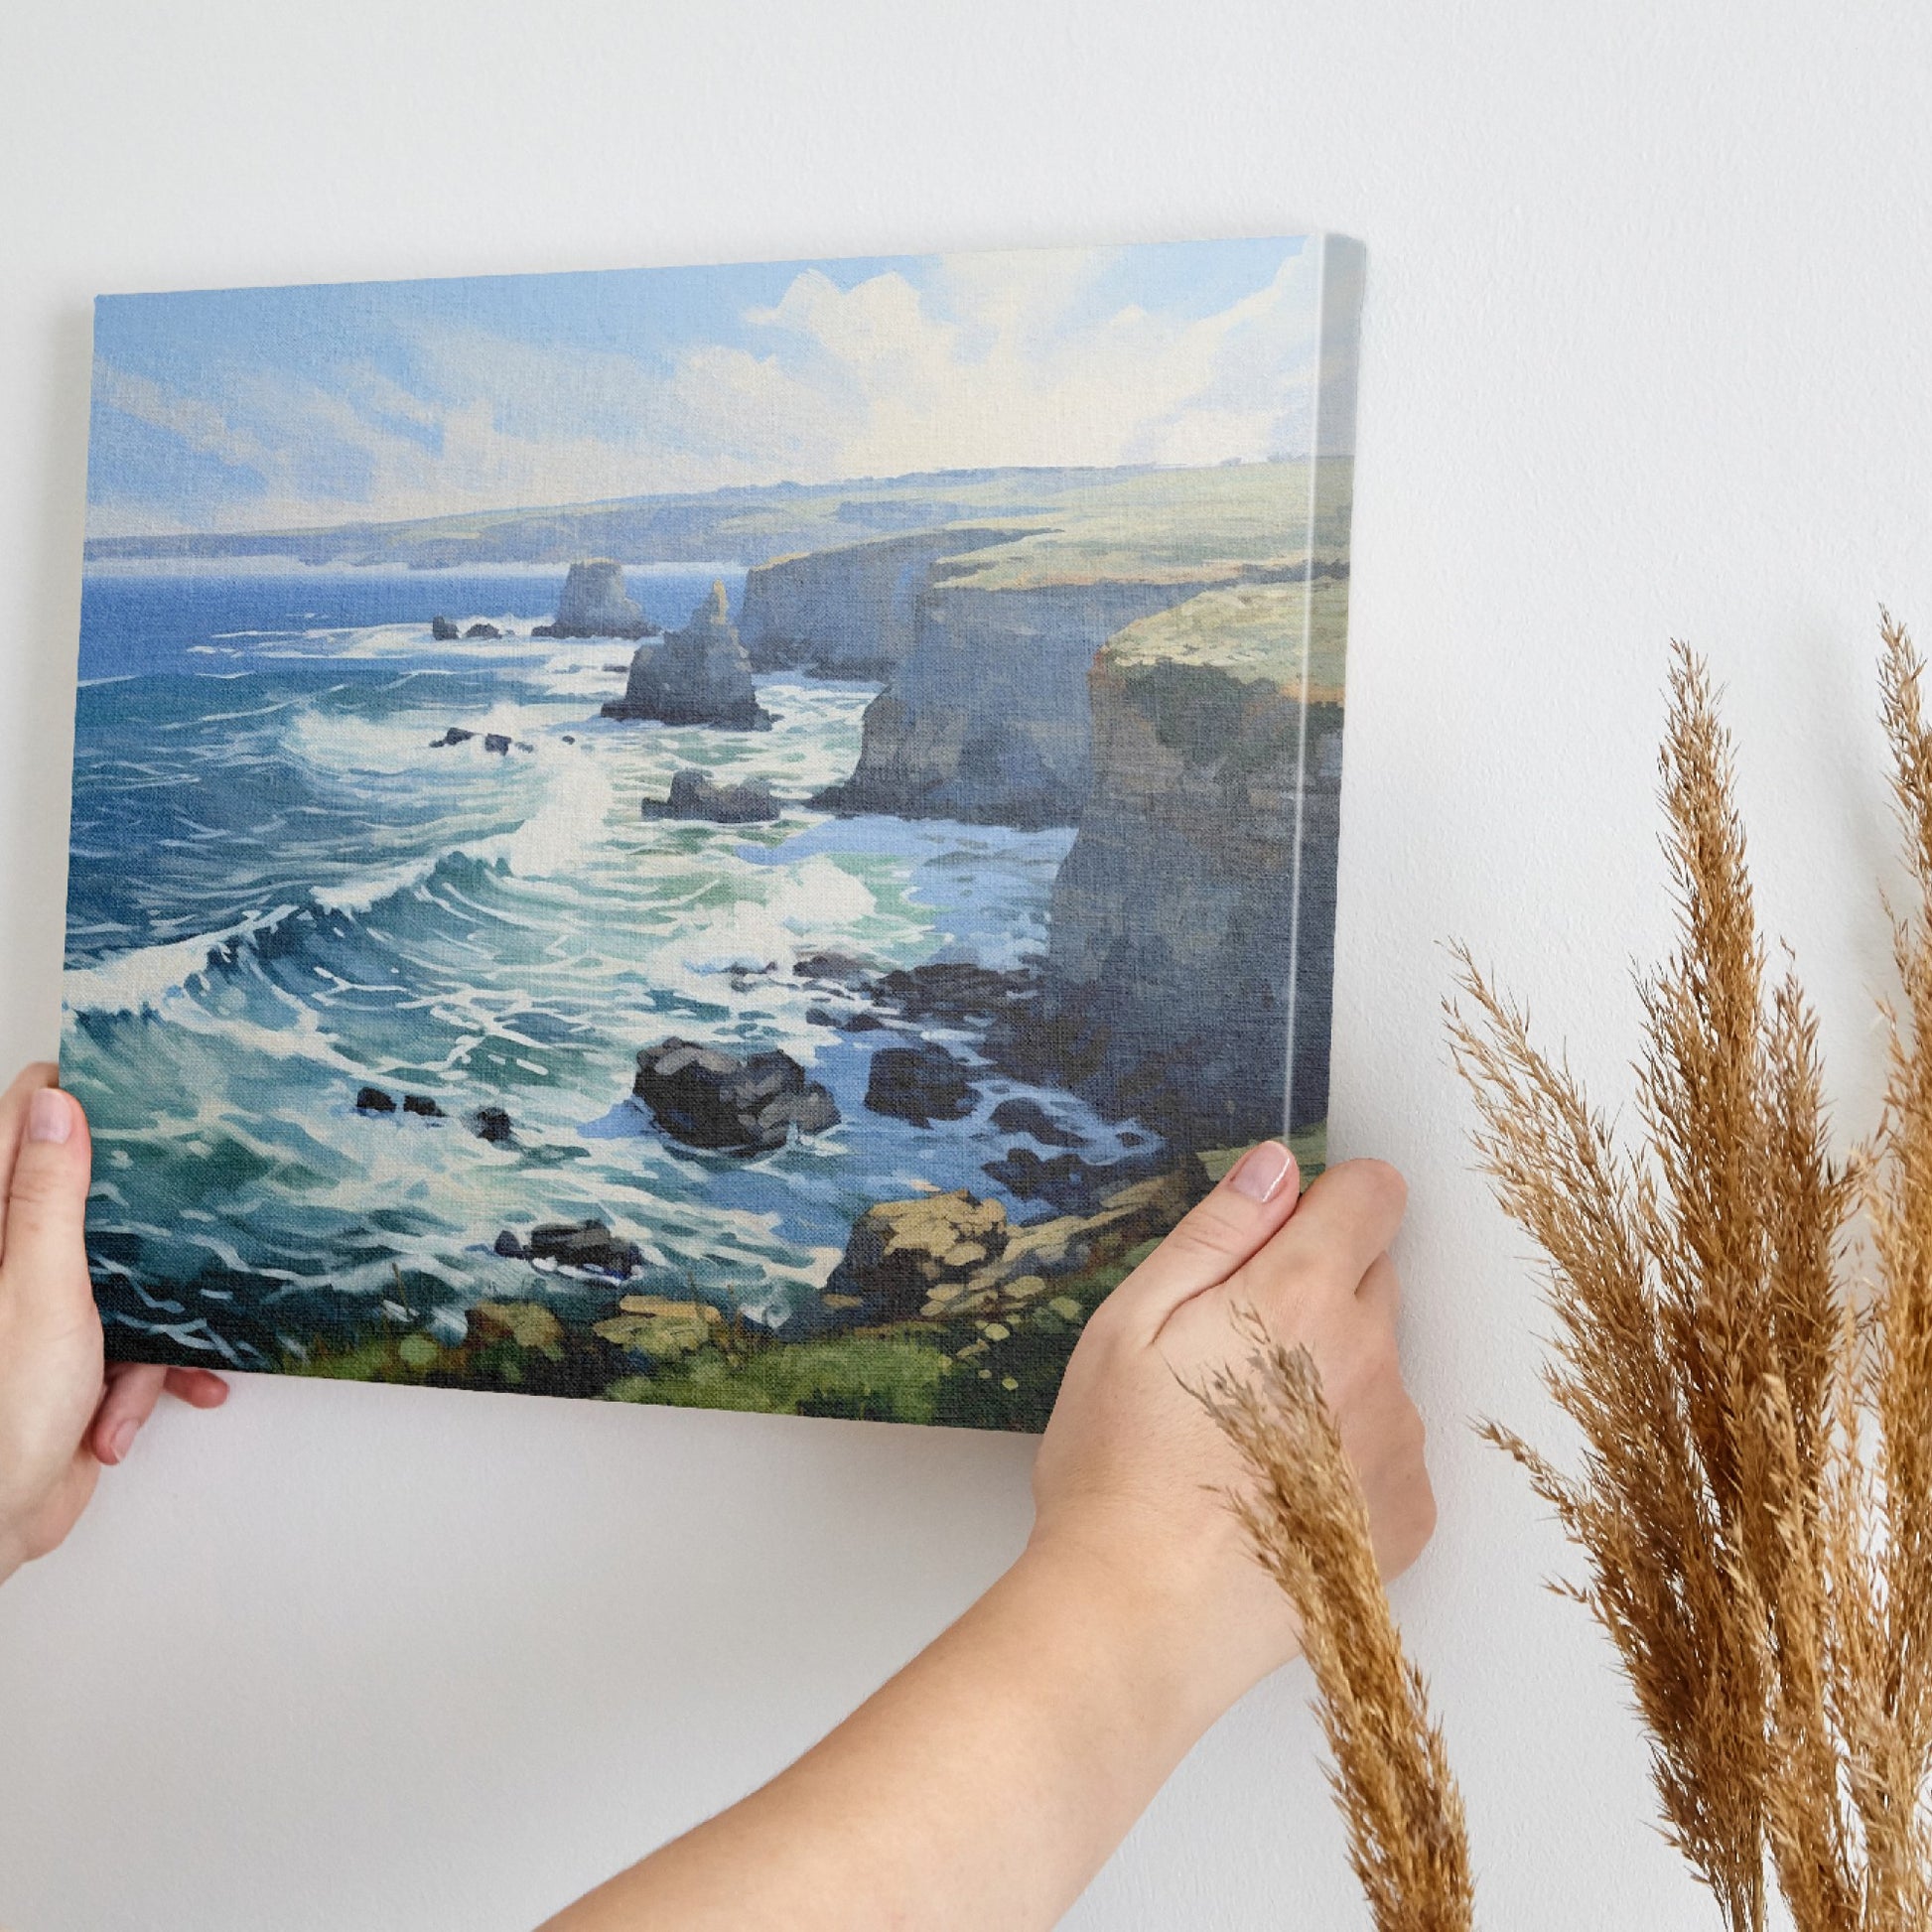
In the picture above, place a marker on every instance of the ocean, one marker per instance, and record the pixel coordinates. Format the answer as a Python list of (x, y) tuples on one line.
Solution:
[(282, 890)]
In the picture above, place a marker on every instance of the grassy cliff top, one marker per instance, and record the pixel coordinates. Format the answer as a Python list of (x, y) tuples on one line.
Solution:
[(1079, 524), (1175, 524), (1252, 632)]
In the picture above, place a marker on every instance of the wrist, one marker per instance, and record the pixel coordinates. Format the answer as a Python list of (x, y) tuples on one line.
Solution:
[(1163, 1634)]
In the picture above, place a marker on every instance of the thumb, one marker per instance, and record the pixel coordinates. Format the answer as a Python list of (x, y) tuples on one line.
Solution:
[(45, 1256)]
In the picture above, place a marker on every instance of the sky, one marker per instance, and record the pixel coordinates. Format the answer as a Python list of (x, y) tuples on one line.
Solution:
[(275, 408)]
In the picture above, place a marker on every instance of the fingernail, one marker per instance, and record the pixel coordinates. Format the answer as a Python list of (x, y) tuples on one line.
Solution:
[(122, 1438), (50, 1116), (1260, 1172)]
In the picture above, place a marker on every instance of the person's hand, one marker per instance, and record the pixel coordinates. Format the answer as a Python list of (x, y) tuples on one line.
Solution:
[(64, 1411), (1131, 1473)]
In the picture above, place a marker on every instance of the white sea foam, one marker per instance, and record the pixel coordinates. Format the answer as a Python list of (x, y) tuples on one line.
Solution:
[(137, 981), (358, 893), (558, 836)]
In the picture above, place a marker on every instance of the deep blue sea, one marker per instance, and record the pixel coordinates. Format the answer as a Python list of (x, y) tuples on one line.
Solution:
[(281, 893)]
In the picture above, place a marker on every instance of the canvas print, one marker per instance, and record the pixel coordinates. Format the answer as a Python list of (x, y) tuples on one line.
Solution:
[(741, 836)]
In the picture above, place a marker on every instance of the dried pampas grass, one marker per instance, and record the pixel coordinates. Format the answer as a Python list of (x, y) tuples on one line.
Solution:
[(1755, 1495), (1307, 1522), (1752, 1389)]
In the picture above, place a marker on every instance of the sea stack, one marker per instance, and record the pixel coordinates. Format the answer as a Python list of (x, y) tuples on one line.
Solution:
[(699, 675), (595, 603)]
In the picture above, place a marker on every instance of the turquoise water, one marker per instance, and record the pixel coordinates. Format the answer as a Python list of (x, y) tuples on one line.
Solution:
[(280, 892)]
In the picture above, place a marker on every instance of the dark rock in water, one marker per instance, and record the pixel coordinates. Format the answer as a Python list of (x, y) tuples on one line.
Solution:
[(584, 1244), (568, 739), (863, 1022), (956, 991), (453, 736), (510, 1248), (372, 1100), (695, 795), (484, 630), (839, 968), (699, 675), (920, 1084), (496, 741), (443, 630), (1067, 1182), (421, 1103), (595, 605), (709, 1098), (1020, 1116), (492, 1124), (822, 1017)]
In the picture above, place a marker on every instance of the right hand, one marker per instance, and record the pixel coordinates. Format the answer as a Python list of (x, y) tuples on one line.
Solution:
[(1132, 1472)]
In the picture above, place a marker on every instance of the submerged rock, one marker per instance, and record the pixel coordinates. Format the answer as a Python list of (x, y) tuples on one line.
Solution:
[(955, 991), (1065, 1180), (694, 794), (492, 1124), (707, 1097), (595, 603), (496, 741), (1022, 1116), (372, 1100), (699, 675), (921, 1083), (421, 1103), (454, 735)]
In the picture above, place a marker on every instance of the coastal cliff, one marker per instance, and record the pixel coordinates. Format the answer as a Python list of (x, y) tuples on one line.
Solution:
[(1182, 982), (848, 612), (987, 718)]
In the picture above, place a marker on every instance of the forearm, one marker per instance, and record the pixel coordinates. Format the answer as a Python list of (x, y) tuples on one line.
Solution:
[(984, 1785)]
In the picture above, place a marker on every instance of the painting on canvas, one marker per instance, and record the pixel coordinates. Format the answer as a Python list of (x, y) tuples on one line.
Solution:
[(741, 836)]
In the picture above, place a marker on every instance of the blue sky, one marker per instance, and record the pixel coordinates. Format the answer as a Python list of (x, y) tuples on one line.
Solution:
[(261, 408)]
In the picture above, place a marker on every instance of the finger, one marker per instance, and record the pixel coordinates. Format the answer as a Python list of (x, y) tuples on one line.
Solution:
[(13, 1125), (1348, 1218), (133, 1388), (1245, 1208), (200, 1388), (46, 1252)]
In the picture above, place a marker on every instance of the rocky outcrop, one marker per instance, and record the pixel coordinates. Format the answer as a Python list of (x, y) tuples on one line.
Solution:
[(937, 1256), (709, 1098), (595, 603), (850, 612), (987, 718), (481, 633), (1182, 982), (444, 631), (699, 675), (696, 795)]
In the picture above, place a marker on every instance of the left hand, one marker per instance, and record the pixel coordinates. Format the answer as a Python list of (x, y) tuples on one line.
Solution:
[(64, 1412)]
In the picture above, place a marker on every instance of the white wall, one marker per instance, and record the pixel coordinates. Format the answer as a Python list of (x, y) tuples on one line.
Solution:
[(1645, 354)]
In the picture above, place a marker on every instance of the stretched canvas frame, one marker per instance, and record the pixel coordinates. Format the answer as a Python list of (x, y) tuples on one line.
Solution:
[(735, 836)]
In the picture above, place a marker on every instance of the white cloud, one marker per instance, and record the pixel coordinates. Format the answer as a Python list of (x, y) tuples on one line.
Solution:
[(1004, 360)]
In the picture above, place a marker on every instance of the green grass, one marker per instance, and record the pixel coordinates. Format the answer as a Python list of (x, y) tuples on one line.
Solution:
[(1253, 632)]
